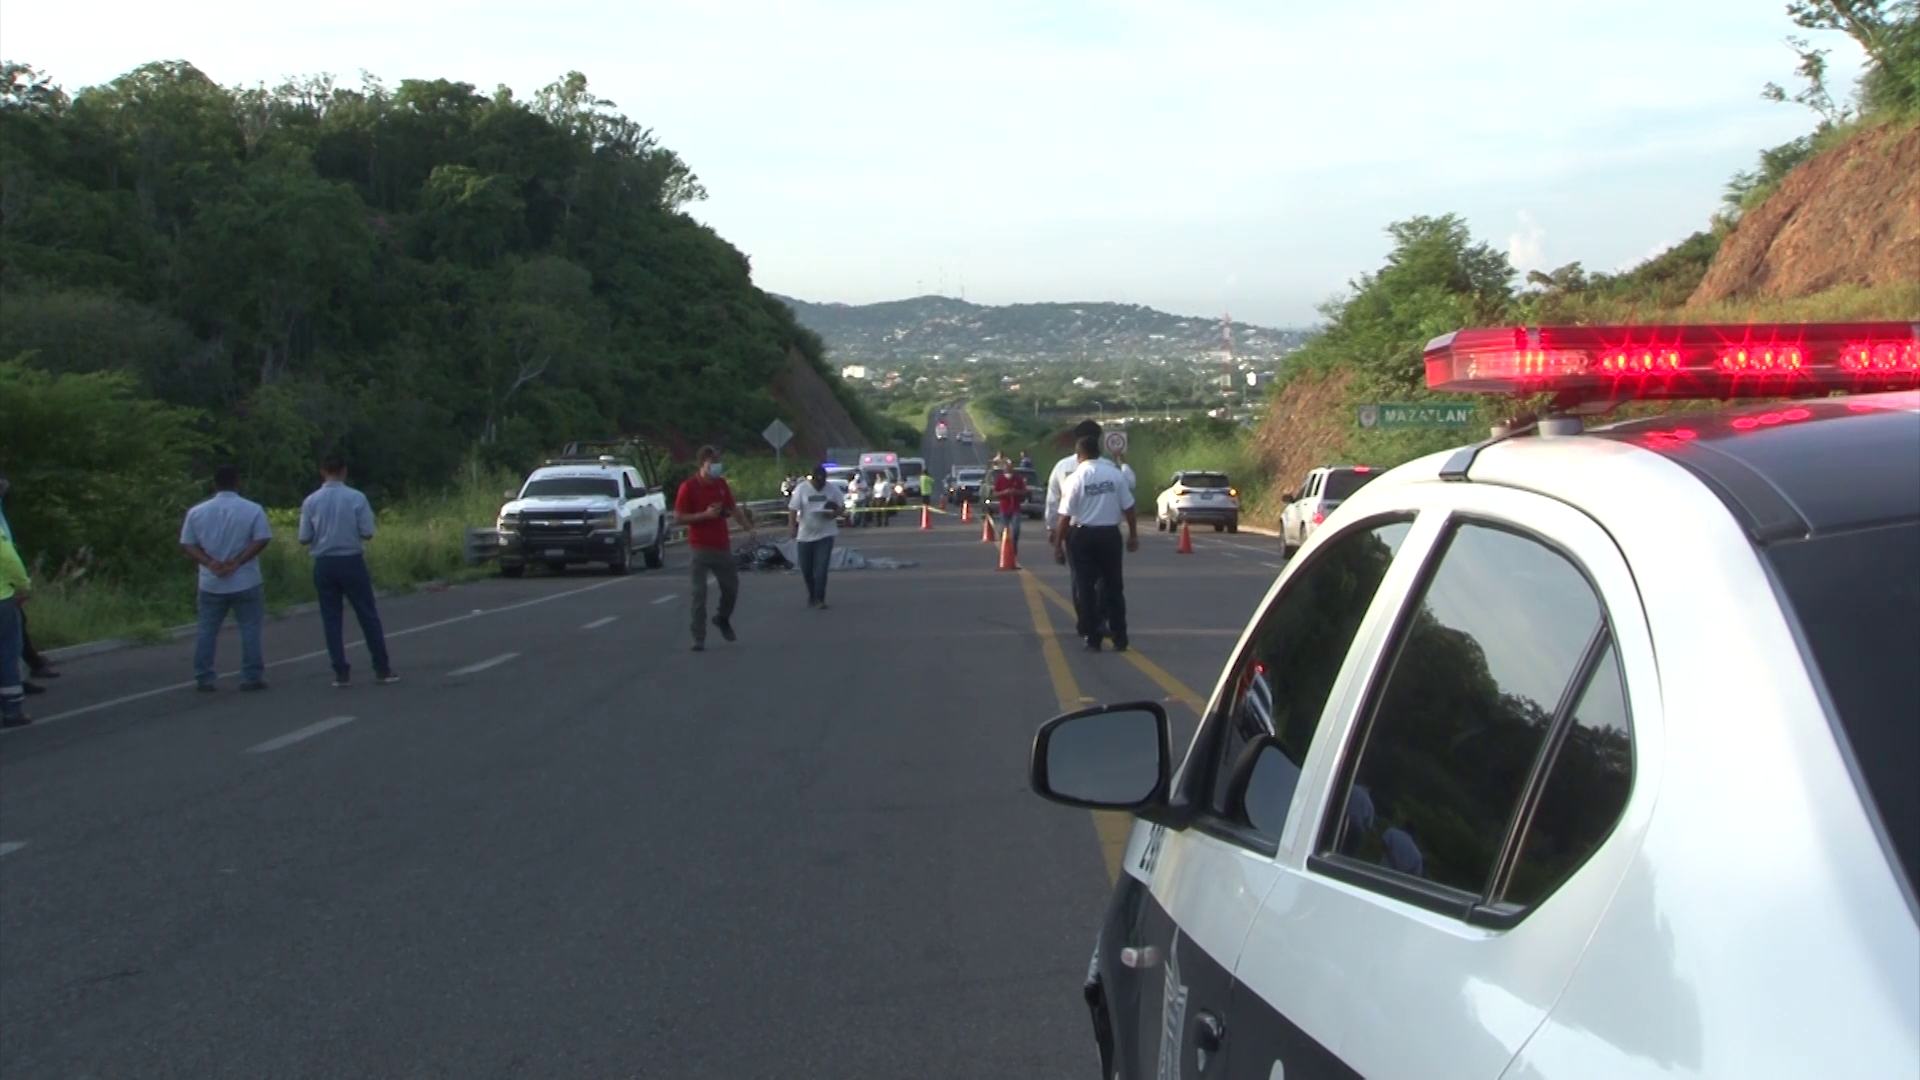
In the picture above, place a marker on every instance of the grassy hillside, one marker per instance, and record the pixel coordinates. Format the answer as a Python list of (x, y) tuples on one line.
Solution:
[(442, 284)]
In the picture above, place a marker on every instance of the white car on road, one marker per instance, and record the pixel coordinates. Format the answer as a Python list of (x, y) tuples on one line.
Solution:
[(1198, 497), (1318, 495)]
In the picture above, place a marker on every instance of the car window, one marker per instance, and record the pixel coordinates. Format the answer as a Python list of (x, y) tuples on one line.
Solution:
[(563, 487), (1342, 484), (1585, 791), (1206, 480), (1856, 596), (1478, 673), (1281, 682)]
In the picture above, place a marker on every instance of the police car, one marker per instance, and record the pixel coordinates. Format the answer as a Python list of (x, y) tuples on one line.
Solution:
[(1578, 752)]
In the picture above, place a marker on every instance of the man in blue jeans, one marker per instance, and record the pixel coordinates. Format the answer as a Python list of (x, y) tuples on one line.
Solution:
[(335, 523), (226, 535)]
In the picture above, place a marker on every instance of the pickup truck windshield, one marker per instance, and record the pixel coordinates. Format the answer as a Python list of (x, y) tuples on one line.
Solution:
[(572, 487)]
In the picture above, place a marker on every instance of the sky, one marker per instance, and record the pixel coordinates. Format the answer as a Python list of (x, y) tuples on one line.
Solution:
[(1200, 156)]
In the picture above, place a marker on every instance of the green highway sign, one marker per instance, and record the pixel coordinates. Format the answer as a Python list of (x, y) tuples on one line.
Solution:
[(1377, 417)]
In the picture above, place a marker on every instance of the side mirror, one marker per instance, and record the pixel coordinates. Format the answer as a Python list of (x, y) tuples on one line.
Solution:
[(1113, 757), (1286, 499), (1260, 789), (509, 495)]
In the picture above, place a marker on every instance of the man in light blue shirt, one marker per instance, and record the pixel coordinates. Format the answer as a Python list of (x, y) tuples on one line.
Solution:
[(226, 535), (335, 523)]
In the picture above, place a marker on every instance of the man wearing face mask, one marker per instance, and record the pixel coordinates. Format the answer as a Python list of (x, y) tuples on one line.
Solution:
[(703, 504), (816, 504)]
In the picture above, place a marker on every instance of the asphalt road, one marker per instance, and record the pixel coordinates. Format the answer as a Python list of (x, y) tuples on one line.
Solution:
[(565, 845)]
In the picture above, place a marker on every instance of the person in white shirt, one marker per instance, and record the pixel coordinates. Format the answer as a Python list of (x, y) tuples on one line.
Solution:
[(1096, 498), (1056, 481), (861, 489), (816, 505)]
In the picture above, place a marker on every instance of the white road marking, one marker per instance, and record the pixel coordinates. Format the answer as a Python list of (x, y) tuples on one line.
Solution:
[(299, 735), (1275, 565), (598, 623), (483, 665), (40, 721), (664, 599), (12, 846)]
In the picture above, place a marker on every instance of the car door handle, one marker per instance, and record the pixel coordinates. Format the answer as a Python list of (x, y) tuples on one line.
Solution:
[(1209, 1035)]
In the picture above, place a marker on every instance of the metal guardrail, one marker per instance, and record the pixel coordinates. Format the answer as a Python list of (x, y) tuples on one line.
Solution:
[(483, 541)]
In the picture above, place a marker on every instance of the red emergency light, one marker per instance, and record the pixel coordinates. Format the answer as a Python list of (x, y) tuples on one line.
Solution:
[(1675, 362)]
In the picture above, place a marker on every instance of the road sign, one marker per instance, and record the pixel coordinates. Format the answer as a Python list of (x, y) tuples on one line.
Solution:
[(1385, 417), (1116, 442), (777, 434)]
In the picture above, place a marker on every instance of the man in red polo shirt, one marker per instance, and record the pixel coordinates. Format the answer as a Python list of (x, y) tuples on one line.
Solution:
[(703, 505)]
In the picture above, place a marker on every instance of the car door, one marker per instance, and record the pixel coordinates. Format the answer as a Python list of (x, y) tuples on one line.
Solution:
[(1484, 780), (644, 517), (1203, 884)]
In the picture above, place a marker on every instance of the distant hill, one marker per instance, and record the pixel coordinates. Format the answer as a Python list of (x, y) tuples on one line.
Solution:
[(927, 326)]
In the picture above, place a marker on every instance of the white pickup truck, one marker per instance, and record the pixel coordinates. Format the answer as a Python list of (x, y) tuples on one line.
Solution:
[(583, 510)]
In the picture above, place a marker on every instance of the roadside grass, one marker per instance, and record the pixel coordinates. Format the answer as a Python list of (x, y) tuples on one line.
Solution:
[(416, 543), (1158, 450)]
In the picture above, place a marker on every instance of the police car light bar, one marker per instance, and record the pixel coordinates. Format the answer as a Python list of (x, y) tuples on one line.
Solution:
[(1677, 362)]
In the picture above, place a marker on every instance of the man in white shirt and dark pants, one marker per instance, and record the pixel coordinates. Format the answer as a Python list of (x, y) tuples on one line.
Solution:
[(1095, 499), (816, 505), (1056, 489)]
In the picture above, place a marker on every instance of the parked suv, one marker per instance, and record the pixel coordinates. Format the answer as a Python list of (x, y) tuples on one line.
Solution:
[(583, 510), (1324, 489)]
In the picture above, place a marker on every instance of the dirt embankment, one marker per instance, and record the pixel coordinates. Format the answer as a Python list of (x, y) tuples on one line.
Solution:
[(816, 416), (1306, 427), (1850, 216)]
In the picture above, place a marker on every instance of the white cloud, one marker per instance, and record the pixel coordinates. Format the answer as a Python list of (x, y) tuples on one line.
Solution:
[(1527, 249)]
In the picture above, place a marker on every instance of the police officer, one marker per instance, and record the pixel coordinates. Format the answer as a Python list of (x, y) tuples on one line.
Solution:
[(1056, 481), (1096, 497)]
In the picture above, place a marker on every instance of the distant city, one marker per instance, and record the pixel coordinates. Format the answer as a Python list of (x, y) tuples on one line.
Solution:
[(1058, 356)]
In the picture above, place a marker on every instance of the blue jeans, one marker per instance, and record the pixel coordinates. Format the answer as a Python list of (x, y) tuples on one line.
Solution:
[(12, 696), (816, 556), (249, 608), (345, 577), (1011, 523)]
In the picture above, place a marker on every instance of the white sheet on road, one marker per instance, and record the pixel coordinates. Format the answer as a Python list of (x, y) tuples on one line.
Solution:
[(844, 558)]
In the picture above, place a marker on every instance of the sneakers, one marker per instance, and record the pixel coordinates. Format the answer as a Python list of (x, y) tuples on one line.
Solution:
[(342, 679), (205, 687), (386, 680), (699, 646), (725, 627), (16, 720), (255, 686)]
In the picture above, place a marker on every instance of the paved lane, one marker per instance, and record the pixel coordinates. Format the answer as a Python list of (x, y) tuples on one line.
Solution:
[(809, 853)]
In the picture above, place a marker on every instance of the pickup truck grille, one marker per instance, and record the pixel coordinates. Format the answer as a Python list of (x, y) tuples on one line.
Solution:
[(565, 524)]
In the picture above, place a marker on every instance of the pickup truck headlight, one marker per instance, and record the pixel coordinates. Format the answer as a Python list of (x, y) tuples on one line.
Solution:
[(508, 522), (608, 520)]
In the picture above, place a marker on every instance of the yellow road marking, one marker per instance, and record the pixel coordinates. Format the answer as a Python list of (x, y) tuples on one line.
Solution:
[(1111, 826), (1161, 677)]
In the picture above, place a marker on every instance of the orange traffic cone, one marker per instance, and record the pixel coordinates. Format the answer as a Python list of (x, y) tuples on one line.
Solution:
[(966, 511), (926, 518), (986, 529), (1186, 539), (1006, 550)]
